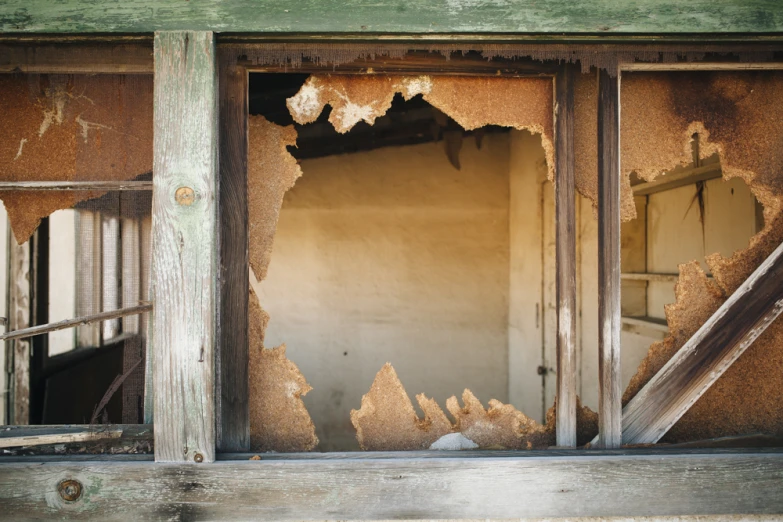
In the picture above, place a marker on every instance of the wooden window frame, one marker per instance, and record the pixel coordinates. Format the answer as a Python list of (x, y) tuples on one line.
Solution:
[(190, 478)]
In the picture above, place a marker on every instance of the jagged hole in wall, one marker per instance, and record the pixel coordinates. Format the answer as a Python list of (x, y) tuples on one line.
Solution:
[(358, 281), (392, 244)]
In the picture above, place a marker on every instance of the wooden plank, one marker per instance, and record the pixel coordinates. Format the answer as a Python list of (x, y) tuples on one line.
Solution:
[(57, 437), (678, 179), (18, 354), (699, 66), (75, 185), (565, 257), (609, 320), (428, 16), (706, 355), (25, 333), (184, 274), (76, 58), (402, 488), (233, 422)]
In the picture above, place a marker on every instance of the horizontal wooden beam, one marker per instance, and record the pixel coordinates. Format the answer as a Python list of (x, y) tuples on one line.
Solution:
[(675, 180), (75, 185), (702, 66), (603, 17), (10, 438), (569, 485), (707, 355), (77, 321)]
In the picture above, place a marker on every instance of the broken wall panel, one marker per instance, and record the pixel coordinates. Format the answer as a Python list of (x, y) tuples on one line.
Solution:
[(70, 128), (279, 420), (739, 115), (473, 102), (272, 171)]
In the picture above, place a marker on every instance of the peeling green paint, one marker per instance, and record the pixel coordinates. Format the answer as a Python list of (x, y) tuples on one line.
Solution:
[(599, 17)]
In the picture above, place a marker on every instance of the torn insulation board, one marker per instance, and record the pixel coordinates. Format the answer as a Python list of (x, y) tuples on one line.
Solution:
[(70, 128), (473, 102), (387, 421), (501, 426), (271, 171), (739, 115), (279, 420)]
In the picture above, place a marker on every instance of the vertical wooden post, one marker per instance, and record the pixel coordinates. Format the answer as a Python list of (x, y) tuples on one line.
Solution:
[(184, 255), (19, 350), (609, 398), (233, 423), (565, 257)]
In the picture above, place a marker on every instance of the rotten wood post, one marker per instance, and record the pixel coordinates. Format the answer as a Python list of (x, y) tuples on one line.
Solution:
[(184, 275), (17, 352), (233, 421), (707, 355), (609, 397), (565, 257)]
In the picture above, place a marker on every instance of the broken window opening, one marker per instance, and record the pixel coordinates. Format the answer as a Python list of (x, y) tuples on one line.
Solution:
[(389, 253)]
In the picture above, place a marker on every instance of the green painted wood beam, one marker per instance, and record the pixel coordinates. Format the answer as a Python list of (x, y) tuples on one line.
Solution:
[(548, 17)]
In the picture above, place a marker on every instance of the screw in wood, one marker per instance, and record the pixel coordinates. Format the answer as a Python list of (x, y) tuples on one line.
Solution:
[(70, 490), (198, 457), (185, 196)]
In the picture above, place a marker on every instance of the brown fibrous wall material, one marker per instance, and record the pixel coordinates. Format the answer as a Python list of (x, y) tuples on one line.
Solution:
[(739, 115), (473, 102), (66, 128), (387, 421), (279, 420)]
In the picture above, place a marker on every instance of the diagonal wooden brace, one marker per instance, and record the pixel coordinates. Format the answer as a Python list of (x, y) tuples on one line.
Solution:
[(706, 355)]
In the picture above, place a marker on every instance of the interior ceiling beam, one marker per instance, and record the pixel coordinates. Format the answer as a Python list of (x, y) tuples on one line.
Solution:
[(706, 355)]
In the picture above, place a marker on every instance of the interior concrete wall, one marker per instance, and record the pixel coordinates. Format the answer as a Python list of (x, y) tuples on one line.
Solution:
[(393, 255)]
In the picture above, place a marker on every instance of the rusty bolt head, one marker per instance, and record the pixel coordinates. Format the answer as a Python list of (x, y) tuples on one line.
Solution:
[(70, 490), (185, 196), (198, 457)]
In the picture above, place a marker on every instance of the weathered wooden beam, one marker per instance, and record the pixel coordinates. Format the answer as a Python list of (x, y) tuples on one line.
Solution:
[(32, 331), (706, 355), (233, 422), (641, 484), (18, 352), (565, 258), (75, 185), (609, 313), (184, 274), (426, 16), (10, 438), (76, 58)]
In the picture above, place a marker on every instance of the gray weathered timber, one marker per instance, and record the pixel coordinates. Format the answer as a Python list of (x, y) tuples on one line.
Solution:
[(488, 487), (678, 179), (76, 58), (75, 185), (609, 313), (24, 333), (18, 353), (233, 422), (184, 274), (565, 257), (706, 355), (363, 16)]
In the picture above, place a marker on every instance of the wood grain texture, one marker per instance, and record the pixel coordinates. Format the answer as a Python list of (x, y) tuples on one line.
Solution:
[(706, 355), (565, 257), (76, 58), (430, 16), (409, 488), (184, 274), (18, 352), (609, 316), (233, 424)]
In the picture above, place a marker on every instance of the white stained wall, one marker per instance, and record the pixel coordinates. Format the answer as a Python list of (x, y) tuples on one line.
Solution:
[(393, 255), (62, 278)]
